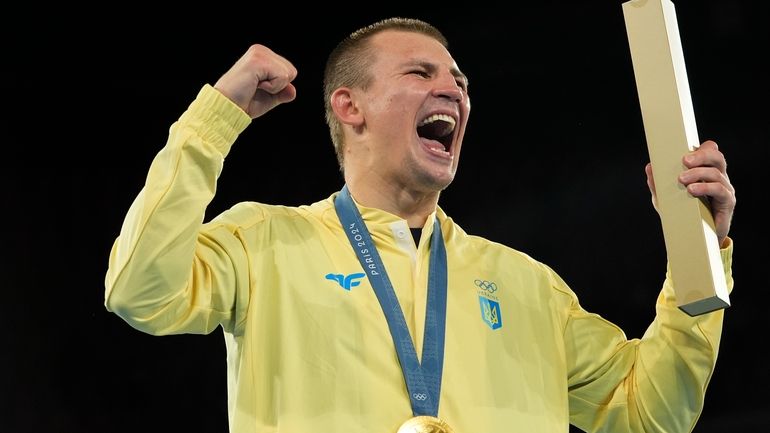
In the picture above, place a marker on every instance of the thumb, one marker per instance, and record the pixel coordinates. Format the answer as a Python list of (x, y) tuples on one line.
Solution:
[(287, 94), (264, 101), (651, 185)]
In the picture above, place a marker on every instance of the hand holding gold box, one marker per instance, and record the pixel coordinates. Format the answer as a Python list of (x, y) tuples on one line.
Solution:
[(671, 132)]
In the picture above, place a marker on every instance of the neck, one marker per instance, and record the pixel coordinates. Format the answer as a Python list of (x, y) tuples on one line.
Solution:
[(408, 203)]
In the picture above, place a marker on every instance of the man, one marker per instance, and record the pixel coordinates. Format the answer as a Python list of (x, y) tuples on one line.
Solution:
[(337, 320)]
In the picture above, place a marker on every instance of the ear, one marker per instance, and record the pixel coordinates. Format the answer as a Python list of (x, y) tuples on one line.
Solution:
[(345, 107)]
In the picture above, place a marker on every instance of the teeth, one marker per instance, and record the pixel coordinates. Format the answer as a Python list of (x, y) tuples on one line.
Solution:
[(436, 117)]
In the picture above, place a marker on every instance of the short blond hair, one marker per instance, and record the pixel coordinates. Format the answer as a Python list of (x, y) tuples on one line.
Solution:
[(349, 63)]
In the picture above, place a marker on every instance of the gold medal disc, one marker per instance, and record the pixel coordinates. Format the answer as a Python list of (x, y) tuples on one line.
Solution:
[(425, 424)]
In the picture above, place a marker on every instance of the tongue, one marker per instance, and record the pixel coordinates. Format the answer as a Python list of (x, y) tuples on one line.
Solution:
[(433, 144)]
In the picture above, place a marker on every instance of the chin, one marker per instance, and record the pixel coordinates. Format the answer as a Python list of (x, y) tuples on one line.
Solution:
[(433, 182), (427, 177)]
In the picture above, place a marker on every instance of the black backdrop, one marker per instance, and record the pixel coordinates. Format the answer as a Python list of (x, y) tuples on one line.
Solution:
[(552, 165)]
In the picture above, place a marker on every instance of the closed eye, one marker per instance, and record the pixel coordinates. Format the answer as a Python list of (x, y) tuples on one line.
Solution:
[(420, 73), (462, 84)]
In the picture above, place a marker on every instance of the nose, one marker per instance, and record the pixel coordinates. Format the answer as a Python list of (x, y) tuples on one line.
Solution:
[(448, 87)]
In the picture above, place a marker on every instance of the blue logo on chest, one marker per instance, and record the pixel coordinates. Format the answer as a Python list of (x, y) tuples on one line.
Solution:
[(490, 303), (346, 281), (490, 313)]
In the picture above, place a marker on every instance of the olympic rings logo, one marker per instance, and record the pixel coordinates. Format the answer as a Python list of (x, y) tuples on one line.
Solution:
[(420, 396), (486, 285)]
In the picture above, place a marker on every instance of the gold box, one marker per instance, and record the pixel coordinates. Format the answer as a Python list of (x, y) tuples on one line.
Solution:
[(671, 132)]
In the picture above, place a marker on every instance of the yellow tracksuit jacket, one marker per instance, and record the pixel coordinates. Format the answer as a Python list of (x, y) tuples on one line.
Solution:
[(308, 347)]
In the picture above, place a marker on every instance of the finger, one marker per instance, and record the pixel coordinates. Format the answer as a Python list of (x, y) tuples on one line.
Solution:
[(287, 94), (703, 174), (709, 144), (719, 193), (707, 154), (264, 101), (277, 83), (650, 179), (651, 185)]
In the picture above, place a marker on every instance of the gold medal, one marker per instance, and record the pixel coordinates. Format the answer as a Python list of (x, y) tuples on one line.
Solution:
[(425, 424)]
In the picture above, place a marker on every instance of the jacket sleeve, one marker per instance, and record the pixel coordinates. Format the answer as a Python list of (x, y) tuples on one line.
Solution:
[(653, 384), (168, 274)]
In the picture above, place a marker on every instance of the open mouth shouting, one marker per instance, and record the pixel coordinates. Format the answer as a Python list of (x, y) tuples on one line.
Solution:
[(436, 133)]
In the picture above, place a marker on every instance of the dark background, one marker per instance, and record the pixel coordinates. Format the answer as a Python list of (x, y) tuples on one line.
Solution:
[(552, 165)]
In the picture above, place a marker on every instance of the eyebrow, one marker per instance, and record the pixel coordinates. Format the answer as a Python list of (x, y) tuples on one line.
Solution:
[(431, 67)]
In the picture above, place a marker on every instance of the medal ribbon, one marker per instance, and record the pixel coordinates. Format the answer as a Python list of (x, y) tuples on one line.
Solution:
[(423, 381)]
